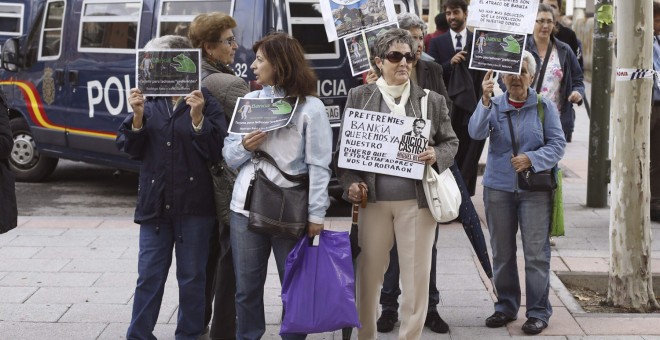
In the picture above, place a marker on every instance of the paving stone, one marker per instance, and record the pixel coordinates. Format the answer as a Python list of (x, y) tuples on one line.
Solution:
[(35, 279), (605, 337), (59, 222), (465, 298), (100, 265), (54, 241), (96, 312), (592, 264), (460, 282), (116, 331), (34, 265), (32, 312), (15, 294), (606, 325), (18, 252), (80, 253), (46, 330), (459, 266), (69, 295)]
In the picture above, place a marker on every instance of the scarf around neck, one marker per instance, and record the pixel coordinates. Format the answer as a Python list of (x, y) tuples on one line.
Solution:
[(391, 92)]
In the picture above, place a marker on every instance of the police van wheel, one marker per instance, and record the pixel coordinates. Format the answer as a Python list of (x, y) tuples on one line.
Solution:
[(25, 160)]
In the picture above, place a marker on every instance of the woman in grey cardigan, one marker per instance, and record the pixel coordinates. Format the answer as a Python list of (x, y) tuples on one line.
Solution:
[(213, 34), (397, 206)]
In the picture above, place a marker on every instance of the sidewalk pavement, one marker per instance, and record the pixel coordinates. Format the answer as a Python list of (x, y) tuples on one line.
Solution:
[(73, 278)]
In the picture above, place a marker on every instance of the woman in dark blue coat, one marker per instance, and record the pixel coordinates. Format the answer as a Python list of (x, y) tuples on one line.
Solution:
[(175, 138)]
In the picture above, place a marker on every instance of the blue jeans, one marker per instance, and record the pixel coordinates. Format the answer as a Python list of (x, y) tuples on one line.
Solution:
[(389, 294), (505, 211), (251, 252), (189, 237)]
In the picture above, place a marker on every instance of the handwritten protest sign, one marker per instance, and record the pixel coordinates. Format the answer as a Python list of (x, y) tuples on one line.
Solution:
[(517, 16), (168, 72), (263, 114), (499, 51), (346, 17), (383, 143)]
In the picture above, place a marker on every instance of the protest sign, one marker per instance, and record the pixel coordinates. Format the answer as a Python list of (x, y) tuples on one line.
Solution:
[(346, 17), (498, 51), (517, 16), (383, 143), (372, 33), (358, 53), (168, 72), (263, 114)]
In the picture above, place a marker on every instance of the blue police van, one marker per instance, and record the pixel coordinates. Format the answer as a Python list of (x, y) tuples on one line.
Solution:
[(69, 65)]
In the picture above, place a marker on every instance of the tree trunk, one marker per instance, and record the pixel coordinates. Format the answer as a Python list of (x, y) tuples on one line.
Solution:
[(630, 277)]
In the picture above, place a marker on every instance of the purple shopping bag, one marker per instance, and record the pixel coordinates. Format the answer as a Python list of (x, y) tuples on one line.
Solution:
[(318, 290)]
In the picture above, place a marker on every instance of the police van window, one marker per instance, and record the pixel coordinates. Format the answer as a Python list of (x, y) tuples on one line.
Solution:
[(176, 15), (109, 26), (11, 19), (51, 34), (400, 7), (306, 25)]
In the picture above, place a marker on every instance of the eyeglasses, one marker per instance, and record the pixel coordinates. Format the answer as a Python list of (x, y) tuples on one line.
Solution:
[(229, 41), (545, 22), (395, 57)]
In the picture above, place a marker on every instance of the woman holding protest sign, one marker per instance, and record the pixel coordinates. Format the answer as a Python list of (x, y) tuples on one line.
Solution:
[(525, 134), (213, 34), (174, 138), (303, 147), (397, 204)]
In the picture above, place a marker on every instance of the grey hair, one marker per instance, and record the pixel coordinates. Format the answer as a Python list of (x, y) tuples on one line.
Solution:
[(410, 20), (547, 8), (167, 42), (531, 62), (385, 40)]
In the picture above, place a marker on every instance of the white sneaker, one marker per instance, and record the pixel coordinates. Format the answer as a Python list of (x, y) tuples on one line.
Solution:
[(553, 241)]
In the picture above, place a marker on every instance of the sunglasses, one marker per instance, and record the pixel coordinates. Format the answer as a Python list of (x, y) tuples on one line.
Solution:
[(395, 57)]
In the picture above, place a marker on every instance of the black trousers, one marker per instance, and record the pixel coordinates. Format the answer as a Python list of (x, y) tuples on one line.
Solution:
[(654, 173), (221, 286)]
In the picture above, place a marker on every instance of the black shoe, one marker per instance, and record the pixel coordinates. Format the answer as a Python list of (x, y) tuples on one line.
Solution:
[(435, 323), (385, 323), (534, 326), (498, 319)]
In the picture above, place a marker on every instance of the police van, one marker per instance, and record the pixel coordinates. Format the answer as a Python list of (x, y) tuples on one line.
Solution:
[(69, 66)]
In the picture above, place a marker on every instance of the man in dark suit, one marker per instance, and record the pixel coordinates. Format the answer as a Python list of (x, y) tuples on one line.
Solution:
[(452, 51), (450, 48)]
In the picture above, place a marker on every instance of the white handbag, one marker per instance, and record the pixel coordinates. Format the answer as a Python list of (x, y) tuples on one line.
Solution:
[(441, 190)]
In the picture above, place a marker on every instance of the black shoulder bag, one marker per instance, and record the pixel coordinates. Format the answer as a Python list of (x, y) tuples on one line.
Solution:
[(274, 210), (527, 179), (541, 73)]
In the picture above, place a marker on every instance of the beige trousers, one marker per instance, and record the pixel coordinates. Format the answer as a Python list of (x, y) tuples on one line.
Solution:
[(414, 229)]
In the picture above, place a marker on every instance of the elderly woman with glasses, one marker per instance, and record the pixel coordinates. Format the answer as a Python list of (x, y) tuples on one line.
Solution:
[(562, 79), (540, 146), (213, 34), (397, 206)]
